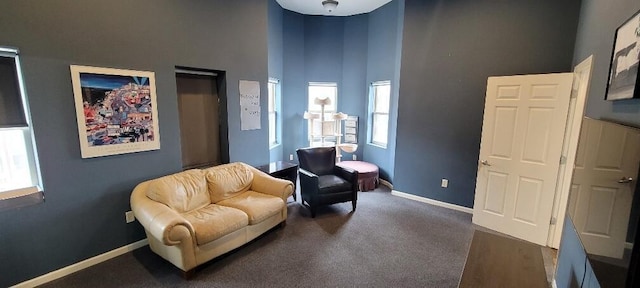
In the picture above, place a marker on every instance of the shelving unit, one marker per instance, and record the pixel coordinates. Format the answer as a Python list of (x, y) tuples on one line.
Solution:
[(329, 129)]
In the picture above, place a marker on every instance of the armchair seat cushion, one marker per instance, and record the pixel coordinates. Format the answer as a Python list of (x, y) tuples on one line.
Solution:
[(329, 184), (214, 221), (257, 206)]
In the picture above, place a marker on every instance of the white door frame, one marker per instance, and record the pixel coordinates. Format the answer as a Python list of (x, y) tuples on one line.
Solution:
[(579, 93)]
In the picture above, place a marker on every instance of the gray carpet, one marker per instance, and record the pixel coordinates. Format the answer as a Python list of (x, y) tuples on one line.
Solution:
[(388, 241)]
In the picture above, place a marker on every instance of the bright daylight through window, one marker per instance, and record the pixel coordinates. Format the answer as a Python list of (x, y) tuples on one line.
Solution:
[(380, 98), (19, 171), (322, 90), (273, 112)]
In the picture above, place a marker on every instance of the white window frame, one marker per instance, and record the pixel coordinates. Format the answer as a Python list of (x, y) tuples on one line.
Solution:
[(273, 108), (373, 112), (328, 111), (12, 192)]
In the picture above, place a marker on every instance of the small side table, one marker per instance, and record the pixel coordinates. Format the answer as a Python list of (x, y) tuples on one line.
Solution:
[(367, 173), (282, 170)]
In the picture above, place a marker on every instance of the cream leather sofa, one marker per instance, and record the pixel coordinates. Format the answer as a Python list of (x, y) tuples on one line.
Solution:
[(196, 215)]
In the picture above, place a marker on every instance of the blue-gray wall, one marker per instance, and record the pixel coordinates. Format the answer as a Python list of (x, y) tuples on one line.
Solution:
[(596, 30), (293, 87), (85, 199), (276, 68), (353, 96), (449, 49), (598, 23), (322, 49), (383, 63), (351, 51)]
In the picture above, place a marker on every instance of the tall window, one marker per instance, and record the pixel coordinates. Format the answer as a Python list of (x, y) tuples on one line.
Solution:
[(273, 111), (319, 91), (380, 98), (19, 171)]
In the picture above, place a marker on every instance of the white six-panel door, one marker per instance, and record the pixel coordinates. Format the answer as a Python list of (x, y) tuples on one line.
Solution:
[(522, 136), (603, 184)]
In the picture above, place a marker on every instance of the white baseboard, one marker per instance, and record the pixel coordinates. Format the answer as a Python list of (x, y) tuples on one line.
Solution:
[(82, 265), (386, 183), (432, 202)]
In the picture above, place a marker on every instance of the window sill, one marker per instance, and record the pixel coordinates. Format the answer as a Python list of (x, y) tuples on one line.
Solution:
[(377, 145), (20, 198), (271, 147)]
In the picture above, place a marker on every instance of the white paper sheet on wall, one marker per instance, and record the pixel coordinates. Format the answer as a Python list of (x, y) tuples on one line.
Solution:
[(249, 105)]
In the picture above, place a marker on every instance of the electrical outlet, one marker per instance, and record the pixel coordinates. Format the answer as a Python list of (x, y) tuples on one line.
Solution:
[(129, 217), (290, 157), (355, 157), (445, 183)]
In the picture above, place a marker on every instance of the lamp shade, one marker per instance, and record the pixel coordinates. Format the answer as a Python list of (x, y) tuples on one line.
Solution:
[(322, 101), (330, 5), (348, 147), (340, 116)]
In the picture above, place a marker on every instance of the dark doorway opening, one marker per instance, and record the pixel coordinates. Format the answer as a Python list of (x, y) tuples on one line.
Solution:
[(203, 117)]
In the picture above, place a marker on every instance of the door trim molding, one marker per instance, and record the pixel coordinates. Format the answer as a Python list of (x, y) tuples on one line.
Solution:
[(584, 69)]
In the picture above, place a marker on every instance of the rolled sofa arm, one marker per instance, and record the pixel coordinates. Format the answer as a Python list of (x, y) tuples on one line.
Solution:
[(267, 184), (160, 221)]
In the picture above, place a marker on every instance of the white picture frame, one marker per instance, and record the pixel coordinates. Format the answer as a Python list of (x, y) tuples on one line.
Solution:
[(116, 110)]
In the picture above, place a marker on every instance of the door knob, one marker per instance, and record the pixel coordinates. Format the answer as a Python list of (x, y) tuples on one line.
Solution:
[(485, 163), (624, 180)]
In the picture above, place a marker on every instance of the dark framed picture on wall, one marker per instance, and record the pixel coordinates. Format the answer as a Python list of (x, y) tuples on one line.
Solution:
[(623, 72)]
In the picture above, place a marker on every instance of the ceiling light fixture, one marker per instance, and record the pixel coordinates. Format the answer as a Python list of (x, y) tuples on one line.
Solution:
[(330, 5)]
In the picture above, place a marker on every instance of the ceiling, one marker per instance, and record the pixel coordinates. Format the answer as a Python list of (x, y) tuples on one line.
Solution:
[(345, 7)]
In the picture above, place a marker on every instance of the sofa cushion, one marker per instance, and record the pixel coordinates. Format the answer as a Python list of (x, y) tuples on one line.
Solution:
[(214, 221), (229, 180), (182, 191), (258, 206)]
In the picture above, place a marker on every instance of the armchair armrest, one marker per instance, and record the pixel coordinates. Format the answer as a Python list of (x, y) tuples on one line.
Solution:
[(160, 221), (348, 174), (308, 183), (309, 176), (267, 184)]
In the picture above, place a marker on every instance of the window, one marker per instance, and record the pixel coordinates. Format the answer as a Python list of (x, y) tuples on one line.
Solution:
[(380, 99), (19, 171), (272, 86), (318, 91)]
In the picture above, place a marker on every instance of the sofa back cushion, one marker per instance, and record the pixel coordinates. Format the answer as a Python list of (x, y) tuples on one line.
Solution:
[(183, 192), (228, 180)]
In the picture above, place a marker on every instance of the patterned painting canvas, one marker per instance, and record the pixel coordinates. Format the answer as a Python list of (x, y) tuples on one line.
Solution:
[(116, 110)]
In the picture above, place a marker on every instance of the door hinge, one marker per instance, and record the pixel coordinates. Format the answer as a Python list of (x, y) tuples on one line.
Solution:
[(563, 159), (553, 221), (575, 86)]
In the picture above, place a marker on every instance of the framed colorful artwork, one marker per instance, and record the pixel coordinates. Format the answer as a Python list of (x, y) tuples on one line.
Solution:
[(116, 110)]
